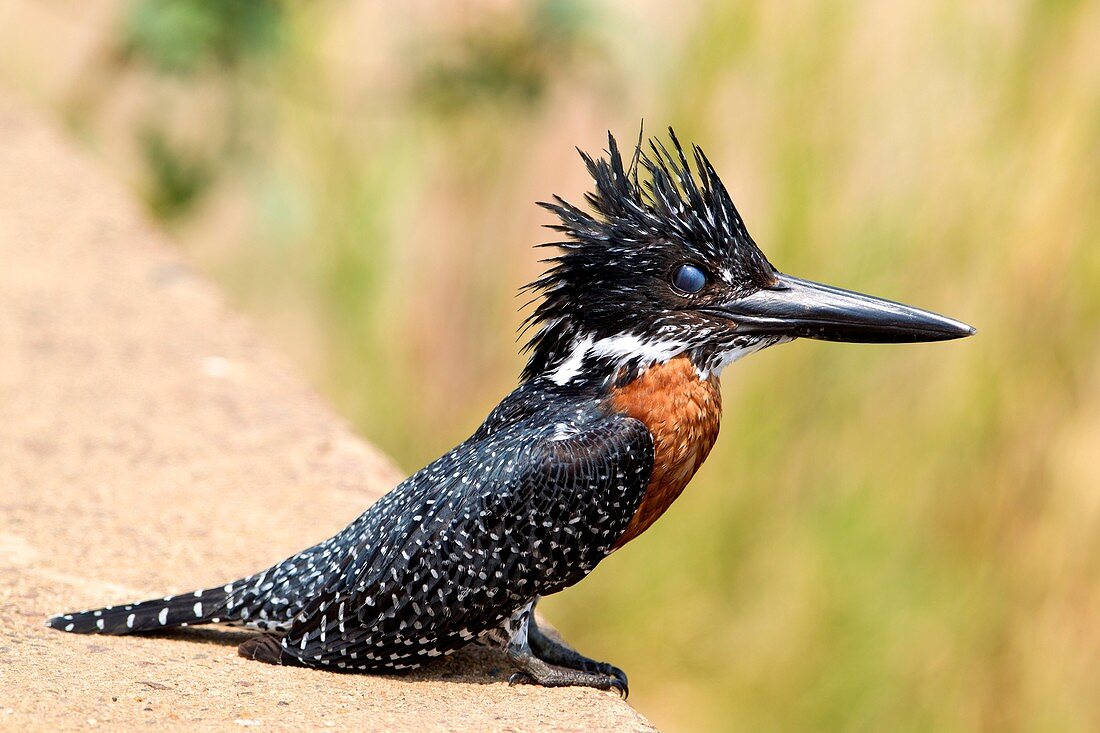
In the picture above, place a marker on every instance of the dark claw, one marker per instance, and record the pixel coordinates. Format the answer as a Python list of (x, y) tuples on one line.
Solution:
[(611, 670), (520, 678), (620, 683)]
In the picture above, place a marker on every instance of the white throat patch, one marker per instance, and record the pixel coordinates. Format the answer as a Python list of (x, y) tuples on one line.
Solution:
[(621, 348), (727, 357)]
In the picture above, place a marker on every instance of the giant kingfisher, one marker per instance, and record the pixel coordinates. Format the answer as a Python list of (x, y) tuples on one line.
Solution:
[(657, 288)]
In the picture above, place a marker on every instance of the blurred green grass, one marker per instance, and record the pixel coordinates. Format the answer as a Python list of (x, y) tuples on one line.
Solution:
[(901, 538)]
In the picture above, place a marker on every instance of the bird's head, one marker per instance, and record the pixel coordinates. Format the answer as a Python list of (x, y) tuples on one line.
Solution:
[(660, 265)]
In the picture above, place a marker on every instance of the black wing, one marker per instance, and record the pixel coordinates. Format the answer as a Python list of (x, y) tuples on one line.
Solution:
[(521, 513)]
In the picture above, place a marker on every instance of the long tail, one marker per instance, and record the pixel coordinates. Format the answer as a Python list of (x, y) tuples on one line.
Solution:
[(207, 606)]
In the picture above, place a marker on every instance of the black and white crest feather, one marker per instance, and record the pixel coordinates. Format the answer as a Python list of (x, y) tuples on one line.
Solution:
[(643, 218)]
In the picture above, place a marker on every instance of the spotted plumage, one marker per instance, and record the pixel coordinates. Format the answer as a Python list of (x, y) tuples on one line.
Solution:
[(659, 288)]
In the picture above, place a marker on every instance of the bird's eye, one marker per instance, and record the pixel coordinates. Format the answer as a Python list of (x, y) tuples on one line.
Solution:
[(689, 279)]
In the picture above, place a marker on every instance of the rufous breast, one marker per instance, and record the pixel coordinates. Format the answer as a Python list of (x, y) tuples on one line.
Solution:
[(682, 411)]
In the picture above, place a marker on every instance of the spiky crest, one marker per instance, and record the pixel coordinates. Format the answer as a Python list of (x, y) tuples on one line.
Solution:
[(630, 216)]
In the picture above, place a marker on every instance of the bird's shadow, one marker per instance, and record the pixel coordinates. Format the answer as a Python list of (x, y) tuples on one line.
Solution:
[(474, 665)]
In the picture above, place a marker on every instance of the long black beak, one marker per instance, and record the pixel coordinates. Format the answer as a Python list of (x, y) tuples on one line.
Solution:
[(801, 308)]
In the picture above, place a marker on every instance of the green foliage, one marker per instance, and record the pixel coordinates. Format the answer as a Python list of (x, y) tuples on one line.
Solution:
[(503, 61), (214, 46), (188, 36), (177, 177)]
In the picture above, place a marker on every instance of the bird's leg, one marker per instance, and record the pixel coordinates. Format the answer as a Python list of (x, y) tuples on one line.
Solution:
[(571, 670), (266, 648), (555, 652)]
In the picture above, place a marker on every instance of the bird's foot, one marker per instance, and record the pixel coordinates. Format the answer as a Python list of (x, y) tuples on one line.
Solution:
[(533, 670), (265, 648), (559, 654), (544, 661)]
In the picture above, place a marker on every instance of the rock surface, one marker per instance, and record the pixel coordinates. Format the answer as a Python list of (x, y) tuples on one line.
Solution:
[(151, 444)]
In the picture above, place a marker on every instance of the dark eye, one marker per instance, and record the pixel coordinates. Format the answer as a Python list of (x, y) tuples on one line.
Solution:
[(689, 279)]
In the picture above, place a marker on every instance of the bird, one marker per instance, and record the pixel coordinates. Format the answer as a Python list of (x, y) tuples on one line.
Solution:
[(656, 287)]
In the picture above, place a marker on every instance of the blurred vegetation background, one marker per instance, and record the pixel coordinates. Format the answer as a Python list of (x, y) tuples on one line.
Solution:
[(903, 538)]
